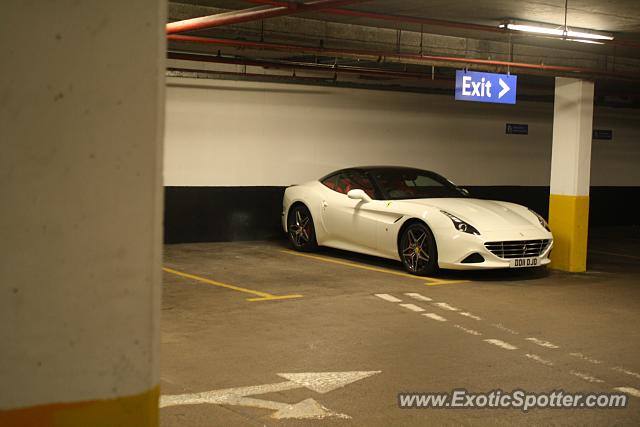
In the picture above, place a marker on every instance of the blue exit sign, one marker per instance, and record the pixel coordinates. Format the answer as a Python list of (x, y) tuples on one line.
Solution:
[(486, 87)]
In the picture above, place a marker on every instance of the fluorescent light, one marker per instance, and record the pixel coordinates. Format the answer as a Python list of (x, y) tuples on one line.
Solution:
[(534, 29), (581, 35), (590, 36), (584, 41)]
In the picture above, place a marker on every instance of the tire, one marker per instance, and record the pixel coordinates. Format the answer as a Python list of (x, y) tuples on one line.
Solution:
[(418, 250), (300, 229)]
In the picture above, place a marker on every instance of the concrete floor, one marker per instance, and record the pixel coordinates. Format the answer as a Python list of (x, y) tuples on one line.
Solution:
[(586, 326)]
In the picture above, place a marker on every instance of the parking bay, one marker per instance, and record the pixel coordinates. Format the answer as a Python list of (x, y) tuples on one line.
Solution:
[(528, 329)]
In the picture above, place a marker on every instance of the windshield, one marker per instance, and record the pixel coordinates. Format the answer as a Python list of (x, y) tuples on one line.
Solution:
[(400, 183)]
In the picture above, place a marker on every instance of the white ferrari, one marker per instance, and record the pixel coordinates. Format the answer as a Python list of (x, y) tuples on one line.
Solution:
[(415, 216)]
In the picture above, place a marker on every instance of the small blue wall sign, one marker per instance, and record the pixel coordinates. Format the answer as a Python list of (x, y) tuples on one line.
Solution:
[(517, 129), (605, 134), (486, 87)]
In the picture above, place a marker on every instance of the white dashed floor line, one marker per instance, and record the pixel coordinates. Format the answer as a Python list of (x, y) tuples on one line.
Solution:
[(538, 359), (435, 317), (585, 358), (417, 296), (445, 306), (504, 328), (469, 315), (388, 297), (467, 330), (505, 345), (629, 390), (412, 307), (501, 344), (542, 343), (586, 377), (626, 371)]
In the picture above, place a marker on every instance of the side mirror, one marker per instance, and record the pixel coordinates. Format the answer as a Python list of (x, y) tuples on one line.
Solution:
[(359, 195), (464, 191)]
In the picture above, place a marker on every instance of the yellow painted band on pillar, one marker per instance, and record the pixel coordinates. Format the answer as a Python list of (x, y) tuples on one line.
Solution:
[(569, 223), (140, 410)]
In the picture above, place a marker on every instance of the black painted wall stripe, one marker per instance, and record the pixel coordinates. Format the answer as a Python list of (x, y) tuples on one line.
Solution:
[(225, 214)]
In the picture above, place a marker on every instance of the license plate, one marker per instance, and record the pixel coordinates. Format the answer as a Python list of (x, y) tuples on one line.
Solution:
[(524, 262)]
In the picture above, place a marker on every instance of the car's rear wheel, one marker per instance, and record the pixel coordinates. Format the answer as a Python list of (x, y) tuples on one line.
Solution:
[(418, 250), (302, 233)]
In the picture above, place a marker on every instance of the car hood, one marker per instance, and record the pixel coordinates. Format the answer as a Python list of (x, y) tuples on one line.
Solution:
[(487, 215)]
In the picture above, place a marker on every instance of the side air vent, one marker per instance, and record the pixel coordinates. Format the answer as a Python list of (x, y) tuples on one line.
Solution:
[(473, 259)]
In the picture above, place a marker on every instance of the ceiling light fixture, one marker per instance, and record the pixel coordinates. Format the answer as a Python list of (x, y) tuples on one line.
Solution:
[(560, 31)]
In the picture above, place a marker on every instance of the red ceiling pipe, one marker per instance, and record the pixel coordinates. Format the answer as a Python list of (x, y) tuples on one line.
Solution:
[(420, 58), (393, 18), (252, 14)]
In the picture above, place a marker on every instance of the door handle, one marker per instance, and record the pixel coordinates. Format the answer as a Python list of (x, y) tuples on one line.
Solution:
[(324, 204)]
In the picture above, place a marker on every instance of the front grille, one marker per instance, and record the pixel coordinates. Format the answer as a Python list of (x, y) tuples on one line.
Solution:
[(518, 248)]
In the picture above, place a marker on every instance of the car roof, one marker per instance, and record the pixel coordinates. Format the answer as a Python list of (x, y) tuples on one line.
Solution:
[(373, 168)]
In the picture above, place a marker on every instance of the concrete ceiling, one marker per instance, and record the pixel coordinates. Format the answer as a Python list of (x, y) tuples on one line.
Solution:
[(621, 17), (612, 15)]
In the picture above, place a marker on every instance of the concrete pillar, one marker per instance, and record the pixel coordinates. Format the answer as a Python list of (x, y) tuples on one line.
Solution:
[(81, 119), (570, 173)]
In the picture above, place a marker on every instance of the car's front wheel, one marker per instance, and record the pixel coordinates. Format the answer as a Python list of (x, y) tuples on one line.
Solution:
[(418, 250), (301, 231)]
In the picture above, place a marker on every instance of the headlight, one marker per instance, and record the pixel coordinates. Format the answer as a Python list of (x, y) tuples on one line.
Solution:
[(543, 222), (460, 225)]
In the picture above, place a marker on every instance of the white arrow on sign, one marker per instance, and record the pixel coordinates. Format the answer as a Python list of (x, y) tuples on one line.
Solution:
[(505, 88), (321, 382)]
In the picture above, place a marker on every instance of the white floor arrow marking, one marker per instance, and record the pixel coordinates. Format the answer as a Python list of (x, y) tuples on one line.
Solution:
[(320, 382), (505, 88)]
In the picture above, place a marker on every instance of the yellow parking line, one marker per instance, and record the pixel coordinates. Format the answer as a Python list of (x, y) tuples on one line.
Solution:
[(274, 297), (432, 281), (260, 296)]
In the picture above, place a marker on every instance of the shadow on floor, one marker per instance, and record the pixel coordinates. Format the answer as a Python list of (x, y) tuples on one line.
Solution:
[(474, 275)]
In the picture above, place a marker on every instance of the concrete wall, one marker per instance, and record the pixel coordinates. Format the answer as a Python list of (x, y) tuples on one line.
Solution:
[(81, 109), (222, 133)]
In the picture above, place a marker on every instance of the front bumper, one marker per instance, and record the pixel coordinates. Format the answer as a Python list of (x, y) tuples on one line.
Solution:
[(453, 248)]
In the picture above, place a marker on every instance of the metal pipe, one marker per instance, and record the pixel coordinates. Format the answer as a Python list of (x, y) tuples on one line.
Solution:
[(427, 21), (429, 59), (252, 14), (299, 66)]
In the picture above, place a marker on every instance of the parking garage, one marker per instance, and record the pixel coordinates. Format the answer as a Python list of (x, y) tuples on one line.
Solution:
[(327, 212)]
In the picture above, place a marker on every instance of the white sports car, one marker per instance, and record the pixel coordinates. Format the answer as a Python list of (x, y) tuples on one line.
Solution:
[(415, 216)]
